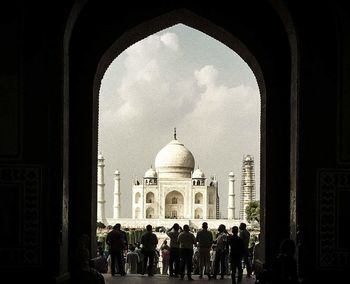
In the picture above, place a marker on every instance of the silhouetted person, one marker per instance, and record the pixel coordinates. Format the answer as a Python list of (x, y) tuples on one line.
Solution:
[(138, 250), (204, 242), (245, 236), (118, 228), (132, 260), (174, 259), (257, 259), (284, 269), (186, 241), (236, 254), (165, 251), (125, 241), (221, 251), (116, 244), (149, 243)]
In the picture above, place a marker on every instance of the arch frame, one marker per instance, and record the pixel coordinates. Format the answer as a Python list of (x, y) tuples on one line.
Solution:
[(77, 79)]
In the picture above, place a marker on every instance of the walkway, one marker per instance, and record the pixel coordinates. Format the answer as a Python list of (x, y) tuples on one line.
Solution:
[(159, 279)]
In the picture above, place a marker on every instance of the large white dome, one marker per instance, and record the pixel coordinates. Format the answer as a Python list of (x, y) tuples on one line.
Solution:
[(174, 160)]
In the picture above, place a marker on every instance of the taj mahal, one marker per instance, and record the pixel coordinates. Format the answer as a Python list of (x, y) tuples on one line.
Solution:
[(173, 189)]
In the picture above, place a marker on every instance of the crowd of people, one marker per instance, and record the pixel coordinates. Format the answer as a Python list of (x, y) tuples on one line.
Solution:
[(188, 254), (203, 254)]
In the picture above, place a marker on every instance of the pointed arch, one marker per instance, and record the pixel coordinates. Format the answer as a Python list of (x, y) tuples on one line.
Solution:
[(79, 68)]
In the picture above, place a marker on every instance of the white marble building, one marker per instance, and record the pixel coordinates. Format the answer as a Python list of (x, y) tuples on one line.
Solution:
[(173, 190), (170, 191)]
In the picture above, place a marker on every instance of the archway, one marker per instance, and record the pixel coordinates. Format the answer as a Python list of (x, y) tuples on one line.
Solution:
[(198, 213), (150, 213), (150, 197), (82, 94), (198, 198), (137, 197), (174, 205)]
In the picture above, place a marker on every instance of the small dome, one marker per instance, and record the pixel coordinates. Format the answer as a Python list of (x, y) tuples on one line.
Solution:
[(100, 157), (231, 174), (198, 174), (117, 172), (150, 173)]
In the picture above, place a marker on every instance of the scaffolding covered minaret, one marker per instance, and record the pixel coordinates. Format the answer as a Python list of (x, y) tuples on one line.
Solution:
[(248, 193)]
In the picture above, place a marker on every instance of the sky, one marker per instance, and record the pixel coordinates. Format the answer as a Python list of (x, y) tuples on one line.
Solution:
[(183, 78)]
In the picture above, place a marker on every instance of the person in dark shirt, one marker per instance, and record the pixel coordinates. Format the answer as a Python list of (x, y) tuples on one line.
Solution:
[(245, 236), (220, 252), (205, 240), (174, 260), (237, 249), (116, 250), (149, 243), (186, 242)]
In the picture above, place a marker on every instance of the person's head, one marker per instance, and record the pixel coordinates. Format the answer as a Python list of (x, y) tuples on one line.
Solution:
[(235, 230), (186, 228), (165, 242), (149, 228), (205, 225), (176, 227), (222, 228), (242, 226), (132, 248), (117, 226)]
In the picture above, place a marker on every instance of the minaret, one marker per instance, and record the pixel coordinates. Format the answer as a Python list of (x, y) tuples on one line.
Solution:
[(231, 196), (116, 209), (248, 184), (101, 216)]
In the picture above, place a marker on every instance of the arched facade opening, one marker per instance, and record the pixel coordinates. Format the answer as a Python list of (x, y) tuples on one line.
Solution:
[(85, 74), (137, 197), (150, 197), (150, 213), (174, 205), (198, 213), (198, 198)]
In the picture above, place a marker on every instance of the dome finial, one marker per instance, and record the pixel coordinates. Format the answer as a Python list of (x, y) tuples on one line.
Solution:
[(175, 133)]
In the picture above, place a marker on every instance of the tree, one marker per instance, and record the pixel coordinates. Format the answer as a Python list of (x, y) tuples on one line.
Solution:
[(253, 211)]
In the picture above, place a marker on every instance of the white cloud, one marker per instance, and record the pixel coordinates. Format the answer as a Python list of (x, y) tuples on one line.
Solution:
[(170, 40), (206, 76)]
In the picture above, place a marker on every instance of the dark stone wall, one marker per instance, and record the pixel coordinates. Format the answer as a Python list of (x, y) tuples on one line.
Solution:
[(51, 63)]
